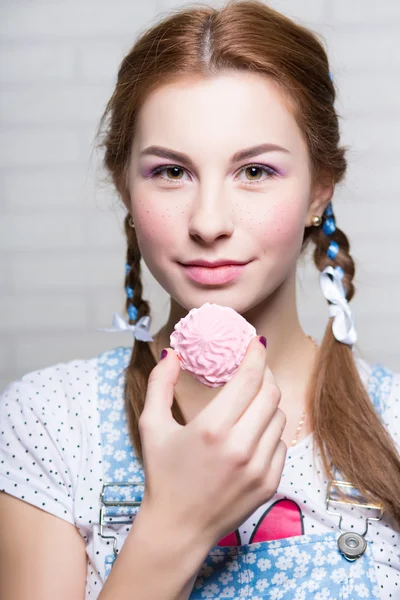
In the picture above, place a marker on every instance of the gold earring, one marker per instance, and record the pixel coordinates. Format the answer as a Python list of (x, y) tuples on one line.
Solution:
[(131, 223), (316, 221)]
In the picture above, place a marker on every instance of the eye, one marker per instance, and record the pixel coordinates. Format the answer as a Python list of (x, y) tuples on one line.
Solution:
[(173, 170), (254, 170)]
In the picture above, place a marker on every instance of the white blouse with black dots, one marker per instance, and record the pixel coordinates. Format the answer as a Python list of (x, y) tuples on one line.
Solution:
[(50, 456)]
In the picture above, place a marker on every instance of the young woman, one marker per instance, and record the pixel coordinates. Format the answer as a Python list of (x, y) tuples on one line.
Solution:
[(125, 477)]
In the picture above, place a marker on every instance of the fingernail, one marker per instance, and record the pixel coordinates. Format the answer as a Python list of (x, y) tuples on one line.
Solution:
[(263, 340), (164, 353)]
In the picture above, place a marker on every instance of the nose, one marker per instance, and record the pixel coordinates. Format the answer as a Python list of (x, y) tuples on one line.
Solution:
[(211, 218)]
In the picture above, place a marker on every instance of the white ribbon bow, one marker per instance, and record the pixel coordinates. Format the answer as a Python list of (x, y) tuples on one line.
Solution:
[(343, 326), (140, 330)]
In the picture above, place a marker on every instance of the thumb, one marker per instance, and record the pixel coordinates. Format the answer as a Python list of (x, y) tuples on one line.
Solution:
[(160, 390)]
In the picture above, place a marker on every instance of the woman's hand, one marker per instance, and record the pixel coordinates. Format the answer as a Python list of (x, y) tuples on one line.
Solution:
[(211, 474)]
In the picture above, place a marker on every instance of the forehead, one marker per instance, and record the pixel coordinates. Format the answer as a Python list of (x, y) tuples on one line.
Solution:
[(230, 109)]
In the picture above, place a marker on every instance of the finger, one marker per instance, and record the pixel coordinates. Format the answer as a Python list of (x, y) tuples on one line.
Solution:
[(227, 406), (160, 391), (270, 439), (251, 425), (277, 463), (273, 471)]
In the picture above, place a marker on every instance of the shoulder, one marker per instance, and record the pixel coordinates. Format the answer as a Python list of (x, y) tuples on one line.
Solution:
[(44, 412), (65, 385), (52, 390), (47, 420), (62, 398)]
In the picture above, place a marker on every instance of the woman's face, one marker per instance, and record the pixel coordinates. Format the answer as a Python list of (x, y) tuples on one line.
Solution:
[(206, 202)]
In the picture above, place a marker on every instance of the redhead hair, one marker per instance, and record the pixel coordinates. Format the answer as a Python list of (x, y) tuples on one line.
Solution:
[(248, 35)]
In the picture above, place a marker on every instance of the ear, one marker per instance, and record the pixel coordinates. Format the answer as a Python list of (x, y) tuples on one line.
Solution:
[(126, 199), (123, 189), (321, 194)]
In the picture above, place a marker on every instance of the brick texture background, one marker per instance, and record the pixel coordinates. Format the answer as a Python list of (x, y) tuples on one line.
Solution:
[(62, 245)]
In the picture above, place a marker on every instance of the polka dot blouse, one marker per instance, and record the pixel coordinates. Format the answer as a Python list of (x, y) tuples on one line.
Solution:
[(51, 457)]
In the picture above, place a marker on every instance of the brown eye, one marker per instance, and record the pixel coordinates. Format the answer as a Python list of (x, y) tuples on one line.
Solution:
[(174, 171), (252, 172)]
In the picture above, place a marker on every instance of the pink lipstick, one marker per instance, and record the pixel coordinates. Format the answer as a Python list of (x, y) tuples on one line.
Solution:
[(216, 273)]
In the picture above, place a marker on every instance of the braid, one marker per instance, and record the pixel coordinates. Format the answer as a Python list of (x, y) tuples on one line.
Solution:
[(334, 249), (133, 283), (142, 360), (344, 421)]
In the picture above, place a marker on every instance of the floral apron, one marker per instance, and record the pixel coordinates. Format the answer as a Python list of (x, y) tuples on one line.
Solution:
[(301, 567)]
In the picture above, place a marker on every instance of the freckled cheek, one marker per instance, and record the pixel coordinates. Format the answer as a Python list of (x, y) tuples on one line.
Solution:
[(154, 227), (280, 226)]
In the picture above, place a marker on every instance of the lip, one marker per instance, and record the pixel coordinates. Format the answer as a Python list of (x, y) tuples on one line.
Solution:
[(216, 263), (213, 275)]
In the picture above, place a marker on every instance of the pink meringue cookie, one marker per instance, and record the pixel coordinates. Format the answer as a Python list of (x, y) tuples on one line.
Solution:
[(211, 342)]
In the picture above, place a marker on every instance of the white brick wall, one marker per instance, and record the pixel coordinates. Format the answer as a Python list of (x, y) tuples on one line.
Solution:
[(62, 246)]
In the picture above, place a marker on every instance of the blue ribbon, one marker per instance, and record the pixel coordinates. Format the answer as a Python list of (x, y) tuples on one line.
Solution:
[(329, 226), (343, 326), (333, 250), (140, 330)]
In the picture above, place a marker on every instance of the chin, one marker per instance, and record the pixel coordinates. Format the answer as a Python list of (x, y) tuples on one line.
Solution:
[(238, 299)]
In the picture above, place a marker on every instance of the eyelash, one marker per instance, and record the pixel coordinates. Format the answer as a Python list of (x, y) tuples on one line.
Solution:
[(270, 172)]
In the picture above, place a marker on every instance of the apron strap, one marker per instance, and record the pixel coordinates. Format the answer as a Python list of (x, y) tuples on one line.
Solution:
[(379, 387), (123, 482)]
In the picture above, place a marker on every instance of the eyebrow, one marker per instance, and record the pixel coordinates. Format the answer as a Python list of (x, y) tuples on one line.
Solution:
[(238, 156)]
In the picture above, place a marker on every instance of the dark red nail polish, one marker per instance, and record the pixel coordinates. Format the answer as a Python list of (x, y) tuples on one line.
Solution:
[(164, 353), (263, 340)]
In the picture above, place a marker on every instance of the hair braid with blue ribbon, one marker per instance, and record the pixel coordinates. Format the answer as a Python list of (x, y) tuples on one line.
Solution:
[(332, 248), (138, 310), (332, 258), (136, 307)]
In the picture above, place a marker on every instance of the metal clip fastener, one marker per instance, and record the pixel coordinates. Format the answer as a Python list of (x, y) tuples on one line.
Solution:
[(351, 544), (118, 518)]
